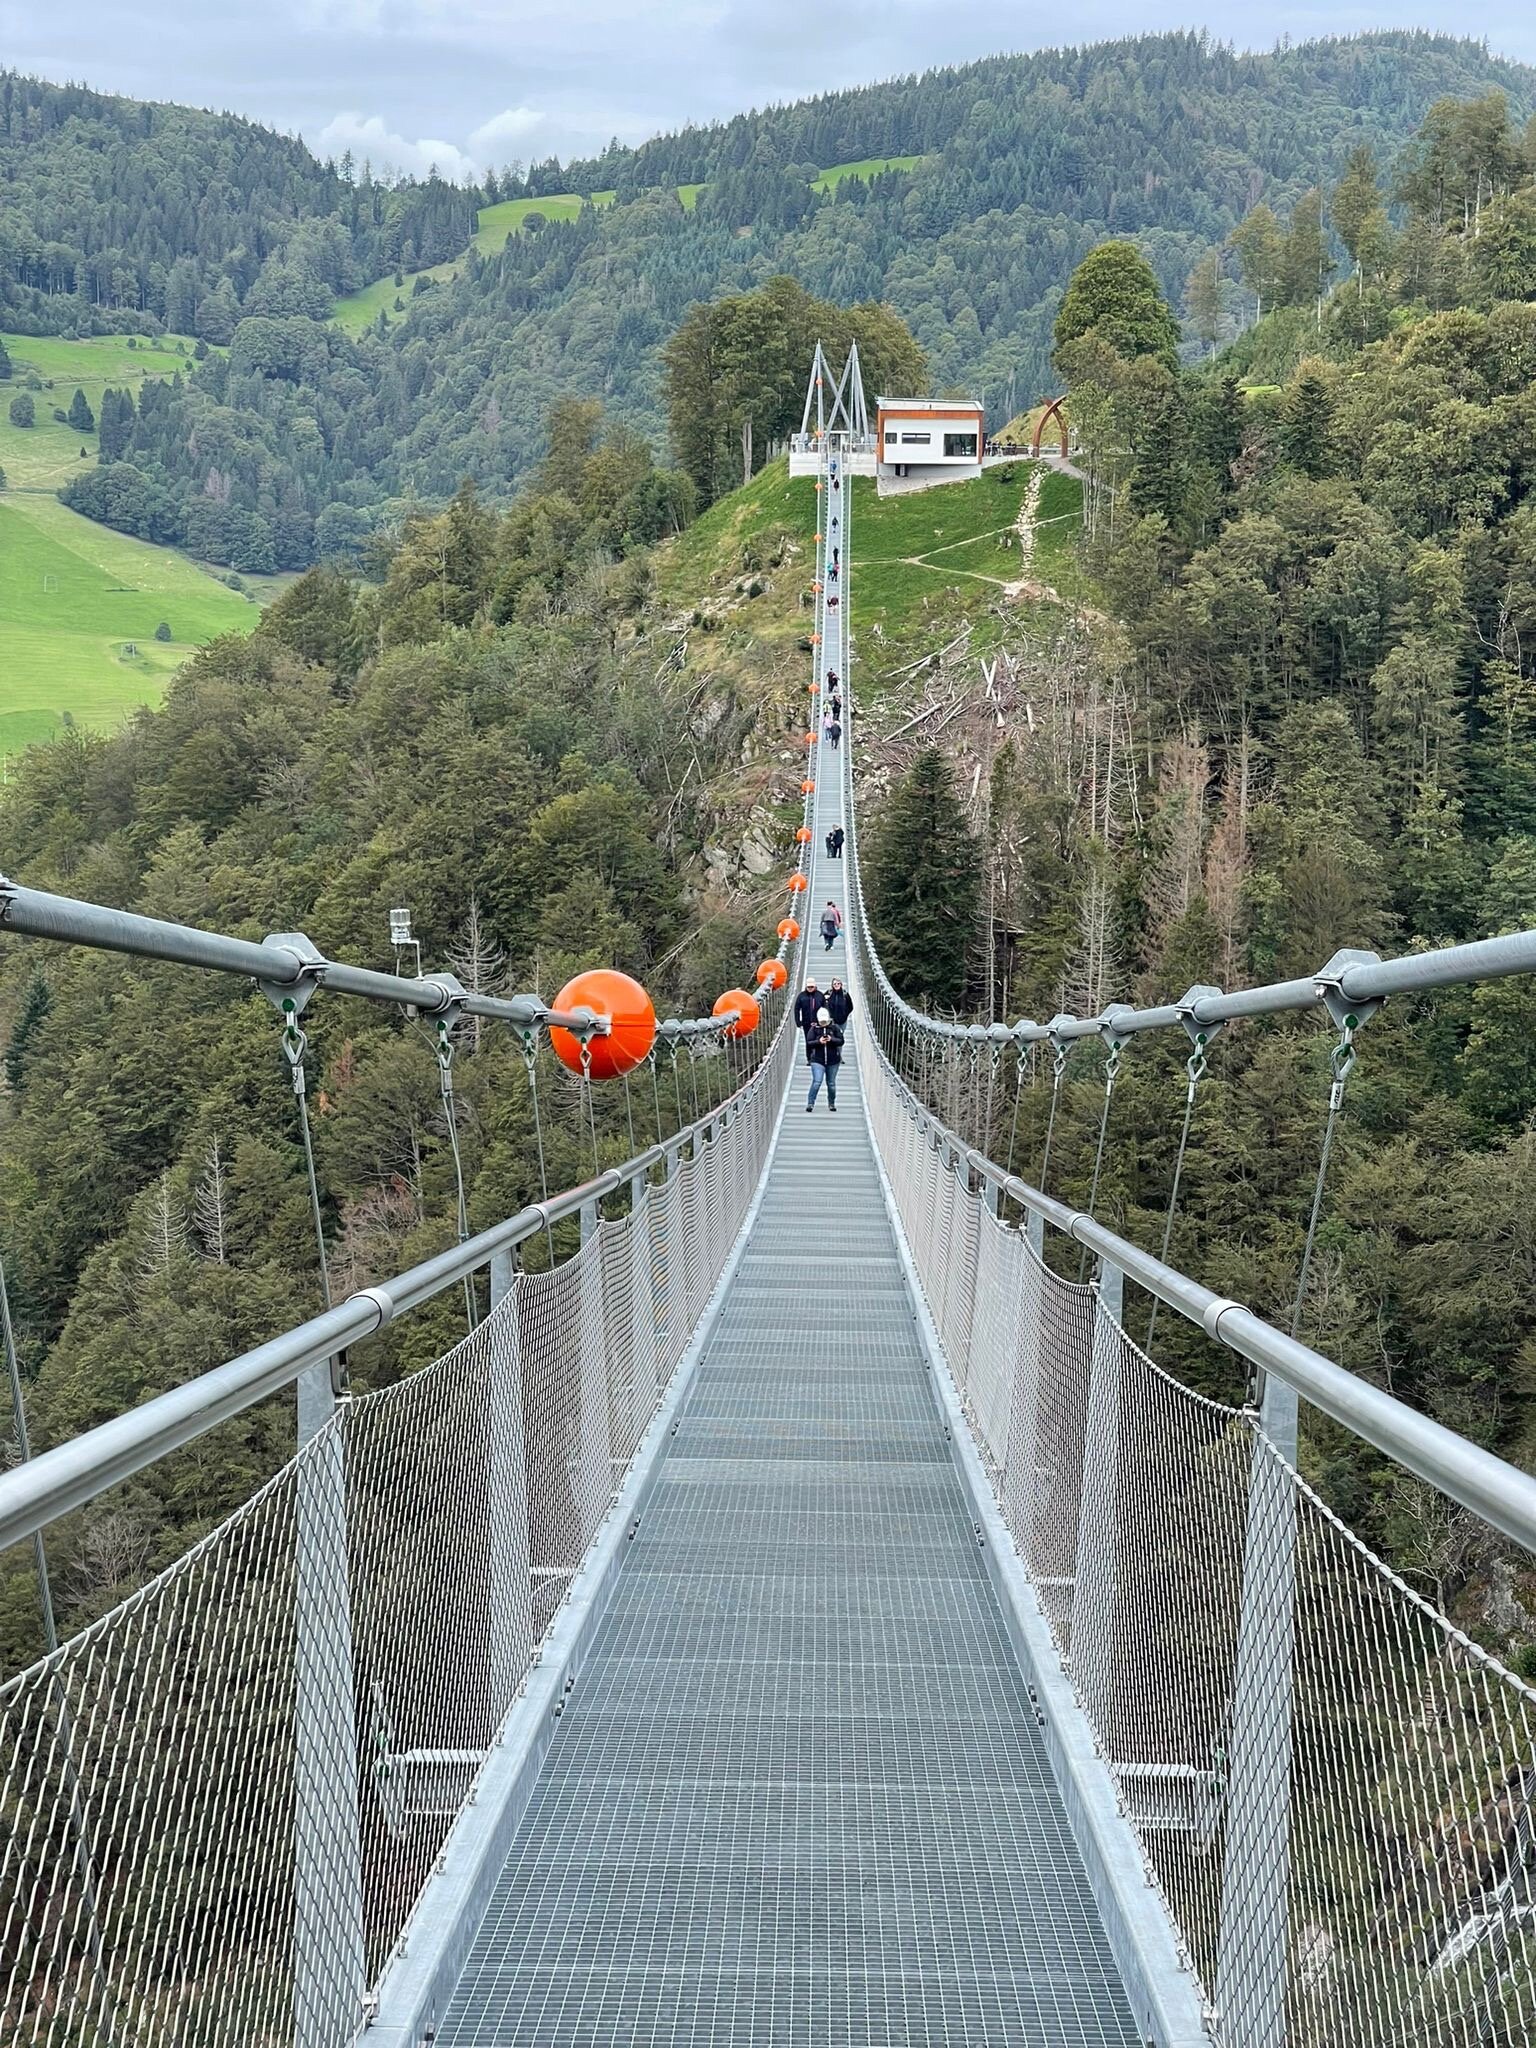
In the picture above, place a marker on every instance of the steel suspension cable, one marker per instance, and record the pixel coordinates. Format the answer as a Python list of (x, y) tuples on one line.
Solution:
[(444, 1051), (295, 1043), (1194, 1068)]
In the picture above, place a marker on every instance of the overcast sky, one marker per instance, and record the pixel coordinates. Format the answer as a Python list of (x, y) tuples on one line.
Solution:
[(466, 83)]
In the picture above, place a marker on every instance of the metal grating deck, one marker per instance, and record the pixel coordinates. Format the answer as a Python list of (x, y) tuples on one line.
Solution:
[(798, 1798)]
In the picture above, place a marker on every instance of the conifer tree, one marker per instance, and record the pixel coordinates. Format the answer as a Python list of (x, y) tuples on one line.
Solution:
[(924, 885), (80, 416)]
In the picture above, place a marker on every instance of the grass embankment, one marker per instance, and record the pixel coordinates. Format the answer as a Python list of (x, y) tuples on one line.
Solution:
[(46, 455), (865, 168), (75, 595), (926, 564), (74, 598)]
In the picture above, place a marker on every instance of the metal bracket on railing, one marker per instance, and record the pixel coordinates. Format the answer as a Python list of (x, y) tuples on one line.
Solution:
[(1115, 1040), (1348, 1013), (1200, 1035), (291, 999), (1060, 1046)]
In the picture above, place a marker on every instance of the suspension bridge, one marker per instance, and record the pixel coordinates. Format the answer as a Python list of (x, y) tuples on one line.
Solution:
[(801, 1614)]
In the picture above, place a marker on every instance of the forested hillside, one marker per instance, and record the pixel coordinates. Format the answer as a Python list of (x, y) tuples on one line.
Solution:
[(1310, 723), (119, 217), (291, 448), (503, 733)]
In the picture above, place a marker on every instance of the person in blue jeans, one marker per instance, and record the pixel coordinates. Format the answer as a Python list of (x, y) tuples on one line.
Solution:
[(824, 1049)]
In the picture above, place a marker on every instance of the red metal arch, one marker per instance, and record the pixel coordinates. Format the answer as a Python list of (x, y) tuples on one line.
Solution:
[(1052, 411)]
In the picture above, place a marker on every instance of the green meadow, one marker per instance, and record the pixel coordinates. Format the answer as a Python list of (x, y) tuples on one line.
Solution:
[(866, 168), (47, 455), (79, 605)]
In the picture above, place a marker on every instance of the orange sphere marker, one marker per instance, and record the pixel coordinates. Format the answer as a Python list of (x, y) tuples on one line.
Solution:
[(772, 974), (788, 928), (797, 883), (807, 788), (813, 688), (750, 1012), (810, 739), (631, 1027), (804, 835)]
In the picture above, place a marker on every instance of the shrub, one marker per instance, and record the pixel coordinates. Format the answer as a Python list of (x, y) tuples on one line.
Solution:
[(23, 410), (162, 631)]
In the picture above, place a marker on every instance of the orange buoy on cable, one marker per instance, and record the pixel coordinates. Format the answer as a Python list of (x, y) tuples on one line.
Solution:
[(804, 835), (810, 739), (789, 928), (748, 1012), (807, 788), (631, 1024), (813, 688), (772, 973), (796, 884)]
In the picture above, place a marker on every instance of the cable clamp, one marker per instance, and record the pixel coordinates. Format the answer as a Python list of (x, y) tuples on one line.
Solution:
[(383, 1301)]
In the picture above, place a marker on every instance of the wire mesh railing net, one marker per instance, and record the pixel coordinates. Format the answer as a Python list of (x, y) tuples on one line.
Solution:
[(219, 1803), (1329, 1782)]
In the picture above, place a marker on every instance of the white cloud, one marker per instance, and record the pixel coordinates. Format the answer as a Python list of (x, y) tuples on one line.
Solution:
[(367, 137), (499, 137)]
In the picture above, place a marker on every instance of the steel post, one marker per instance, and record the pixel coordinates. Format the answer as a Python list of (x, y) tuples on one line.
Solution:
[(1252, 1960), (1096, 1576), (329, 1957)]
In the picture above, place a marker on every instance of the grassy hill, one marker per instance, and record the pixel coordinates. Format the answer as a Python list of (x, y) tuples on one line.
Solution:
[(47, 455), (929, 563), (74, 595), (79, 605)]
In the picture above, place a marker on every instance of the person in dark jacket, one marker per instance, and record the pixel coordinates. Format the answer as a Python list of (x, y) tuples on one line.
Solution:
[(835, 848), (838, 1005), (824, 1049), (807, 1003), (835, 732), (831, 925)]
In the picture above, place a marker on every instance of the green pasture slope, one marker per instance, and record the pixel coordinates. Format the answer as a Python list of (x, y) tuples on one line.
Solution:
[(47, 455), (866, 168), (75, 598), (75, 595)]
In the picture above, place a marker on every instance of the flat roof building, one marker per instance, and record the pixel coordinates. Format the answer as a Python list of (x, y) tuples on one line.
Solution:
[(928, 440)]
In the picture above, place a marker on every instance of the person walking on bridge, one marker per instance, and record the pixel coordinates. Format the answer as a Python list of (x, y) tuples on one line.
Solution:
[(835, 848), (835, 731), (838, 1004), (824, 1049), (807, 1003), (831, 923)]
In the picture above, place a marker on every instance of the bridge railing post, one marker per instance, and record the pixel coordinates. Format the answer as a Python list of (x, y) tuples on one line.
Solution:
[(593, 1447), (1252, 1958), (329, 1955), (1023, 1479), (1096, 1574)]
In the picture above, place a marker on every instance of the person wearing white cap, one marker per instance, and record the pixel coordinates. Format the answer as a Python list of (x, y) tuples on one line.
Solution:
[(824, 1048)]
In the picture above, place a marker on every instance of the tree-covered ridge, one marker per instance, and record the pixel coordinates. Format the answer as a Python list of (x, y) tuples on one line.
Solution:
[(119, 216), (1026, 163), (1245, 100), (1309, 724)]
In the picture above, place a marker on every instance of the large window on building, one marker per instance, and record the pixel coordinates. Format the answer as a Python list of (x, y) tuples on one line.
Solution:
[(960, 444), (917, 439)]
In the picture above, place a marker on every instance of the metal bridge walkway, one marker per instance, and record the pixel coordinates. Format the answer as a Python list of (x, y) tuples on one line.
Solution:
[(798, 1795)]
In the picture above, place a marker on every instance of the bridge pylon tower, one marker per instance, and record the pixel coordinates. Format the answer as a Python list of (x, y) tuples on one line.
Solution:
[(836, 402)]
